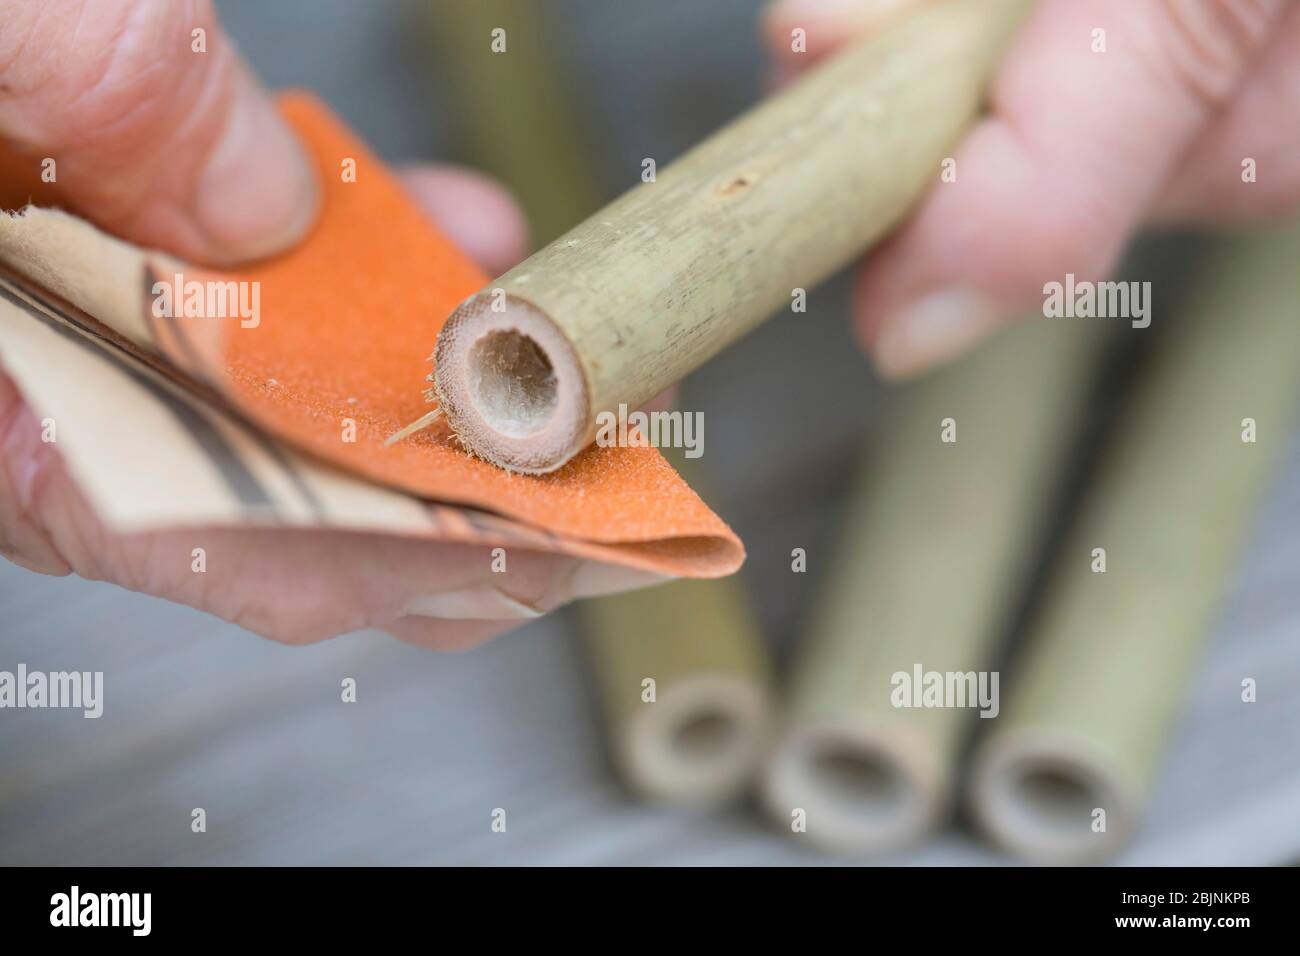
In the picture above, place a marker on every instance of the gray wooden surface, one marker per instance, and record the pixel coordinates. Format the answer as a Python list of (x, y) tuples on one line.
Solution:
[(201, 714)]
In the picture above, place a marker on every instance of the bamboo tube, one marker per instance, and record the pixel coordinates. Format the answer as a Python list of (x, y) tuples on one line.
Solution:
[(514, 116), (1111, 652), (654, 284), (699, 641), (935, 547), (701, 736)]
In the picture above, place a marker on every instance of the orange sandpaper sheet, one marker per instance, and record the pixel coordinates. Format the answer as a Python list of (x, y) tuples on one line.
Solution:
[(348, 320)]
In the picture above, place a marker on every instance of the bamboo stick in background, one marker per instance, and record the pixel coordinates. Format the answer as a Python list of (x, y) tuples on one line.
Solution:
[(701, 738), (514, 116), (650, 287), (698, 640), (932, 559), (1111, 652)]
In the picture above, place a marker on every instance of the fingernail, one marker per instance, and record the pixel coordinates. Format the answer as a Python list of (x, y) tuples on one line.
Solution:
[(480, 603), (930, 330), (258, 193)]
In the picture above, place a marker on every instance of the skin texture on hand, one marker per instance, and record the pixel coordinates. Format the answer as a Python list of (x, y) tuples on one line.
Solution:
[(184, 152), (1079, 150)]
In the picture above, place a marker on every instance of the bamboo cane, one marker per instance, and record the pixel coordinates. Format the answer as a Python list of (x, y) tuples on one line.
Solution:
[(1111, 651), (651, 286), (515, 117), (700, 738), (697, 733), (684, 681), (934, 551)]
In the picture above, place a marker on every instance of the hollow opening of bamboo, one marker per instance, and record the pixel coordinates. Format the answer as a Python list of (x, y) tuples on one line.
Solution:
[(511, 385), (1056, 799), (1041, 801), (513, 381), (864, 789), (701, 737), (860, 783), (1047, 803), (700, 740)]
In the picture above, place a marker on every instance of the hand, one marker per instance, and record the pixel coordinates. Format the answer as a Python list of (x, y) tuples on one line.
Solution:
[(1079, 151), (186, 153)]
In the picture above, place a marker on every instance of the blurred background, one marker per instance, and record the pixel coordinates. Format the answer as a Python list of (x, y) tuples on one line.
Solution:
[(202, 714)]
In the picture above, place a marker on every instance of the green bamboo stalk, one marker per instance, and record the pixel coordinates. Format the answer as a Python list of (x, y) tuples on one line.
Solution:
[(935, 547), (703, 734), (697, 733), (654, 284), (1111, 652), (513, 114)]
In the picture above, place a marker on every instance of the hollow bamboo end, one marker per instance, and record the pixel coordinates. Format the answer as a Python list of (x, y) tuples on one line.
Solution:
[(1037, 793), (864, 789), (511, 385), (700, 742)]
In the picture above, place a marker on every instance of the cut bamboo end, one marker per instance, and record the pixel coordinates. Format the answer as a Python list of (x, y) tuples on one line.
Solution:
[(511, 385), (864, 788), (1036, 792), (699, 742)]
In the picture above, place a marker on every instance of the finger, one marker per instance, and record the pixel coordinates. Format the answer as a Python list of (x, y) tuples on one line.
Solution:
[(1245, 167), (300, 586), (798, 33), (1056, 180), (475, 211), (159, 133)]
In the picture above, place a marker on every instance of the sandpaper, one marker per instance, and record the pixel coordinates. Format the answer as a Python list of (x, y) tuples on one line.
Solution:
[(335, 362)]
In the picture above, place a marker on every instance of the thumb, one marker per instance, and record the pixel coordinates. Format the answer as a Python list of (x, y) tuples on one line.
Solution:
[(157, 128)]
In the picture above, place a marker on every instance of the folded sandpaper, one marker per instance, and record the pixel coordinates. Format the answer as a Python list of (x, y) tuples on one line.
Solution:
[(171, 416)]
